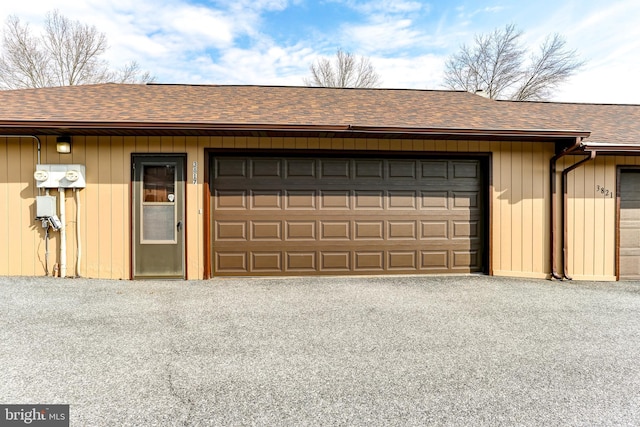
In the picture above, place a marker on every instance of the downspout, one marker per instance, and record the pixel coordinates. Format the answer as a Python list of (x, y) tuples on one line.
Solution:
[(554, 160), (565, 218)]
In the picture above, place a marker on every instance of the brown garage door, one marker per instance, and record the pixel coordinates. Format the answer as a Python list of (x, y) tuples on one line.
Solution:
[(298, 216), (630, 225)]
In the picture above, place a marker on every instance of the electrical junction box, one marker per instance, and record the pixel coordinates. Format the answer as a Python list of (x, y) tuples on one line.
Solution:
[(60, 176), (45, 206)]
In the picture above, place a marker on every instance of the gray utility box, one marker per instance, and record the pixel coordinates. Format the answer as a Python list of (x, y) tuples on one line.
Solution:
[(45, 206)]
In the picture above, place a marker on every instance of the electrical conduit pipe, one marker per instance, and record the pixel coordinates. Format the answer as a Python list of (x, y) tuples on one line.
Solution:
[(63, 234)]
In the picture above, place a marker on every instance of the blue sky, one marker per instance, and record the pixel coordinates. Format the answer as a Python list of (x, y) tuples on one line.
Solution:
[(273, 42)]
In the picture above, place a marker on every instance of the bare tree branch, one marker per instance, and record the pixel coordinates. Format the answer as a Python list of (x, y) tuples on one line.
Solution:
[(495, 64), (547, 70), (347, 71), (131, 73), (67, 53)]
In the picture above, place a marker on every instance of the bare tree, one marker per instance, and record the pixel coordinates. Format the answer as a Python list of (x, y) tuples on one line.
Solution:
[(347, 70), (496, 64), (67, 53)]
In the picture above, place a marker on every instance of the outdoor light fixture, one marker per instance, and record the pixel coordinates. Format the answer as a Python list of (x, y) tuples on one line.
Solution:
[(63, 144)]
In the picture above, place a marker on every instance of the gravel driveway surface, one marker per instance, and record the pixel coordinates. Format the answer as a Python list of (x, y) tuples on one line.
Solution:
[(464, 350)]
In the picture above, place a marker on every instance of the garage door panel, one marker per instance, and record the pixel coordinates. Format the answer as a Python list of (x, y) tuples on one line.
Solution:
[(265, 168), (368, 230), (465, 200), (279, 216), (434, 260), (401, 199), (300, 168), (465, 170), (368, 169), (230, 199), (266, 230), (266, 262), (266, 199), (301, 262), (230, 230), (434, 169), (402, 260), (230, 168), (630, 238), (369, 261), (335, 230), (335, 261), (335, 169), (231, 262), (434, 229), (464, 260), (402, 169), (300, 230), (335, 199), (435, 200), (369, 199), (403, 230), (465, 229)]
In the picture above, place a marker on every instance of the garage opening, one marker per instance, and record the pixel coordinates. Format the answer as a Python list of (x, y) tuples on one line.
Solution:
[(295, 215), (629, 224)]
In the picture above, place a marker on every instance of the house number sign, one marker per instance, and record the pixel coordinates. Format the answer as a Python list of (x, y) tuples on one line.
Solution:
[(195, 172), (604, 191)]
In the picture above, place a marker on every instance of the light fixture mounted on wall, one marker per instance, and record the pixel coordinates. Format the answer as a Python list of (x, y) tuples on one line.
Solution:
[(63, 144)]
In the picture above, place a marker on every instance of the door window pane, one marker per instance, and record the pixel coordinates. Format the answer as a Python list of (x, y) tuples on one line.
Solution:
[(159, 183), (158, 222)]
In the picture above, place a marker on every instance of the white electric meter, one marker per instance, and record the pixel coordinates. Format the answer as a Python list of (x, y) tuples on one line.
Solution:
[(41, 175), (72, 175)]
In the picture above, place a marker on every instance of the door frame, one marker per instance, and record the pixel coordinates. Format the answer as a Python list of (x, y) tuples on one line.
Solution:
[(182, 160)]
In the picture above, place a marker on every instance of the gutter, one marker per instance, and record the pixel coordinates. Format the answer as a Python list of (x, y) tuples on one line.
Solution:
[(69, 126)]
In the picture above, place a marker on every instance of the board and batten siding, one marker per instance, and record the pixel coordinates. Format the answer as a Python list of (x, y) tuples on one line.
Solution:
[(519, 201), (591, 209)]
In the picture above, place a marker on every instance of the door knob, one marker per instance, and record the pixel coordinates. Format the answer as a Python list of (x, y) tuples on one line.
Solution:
[(179, 226)]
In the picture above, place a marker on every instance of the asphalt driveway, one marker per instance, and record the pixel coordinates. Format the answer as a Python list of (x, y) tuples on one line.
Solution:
[(471, 350)]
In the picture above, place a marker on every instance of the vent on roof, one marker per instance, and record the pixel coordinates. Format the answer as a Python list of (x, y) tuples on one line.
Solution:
[(482, 93)]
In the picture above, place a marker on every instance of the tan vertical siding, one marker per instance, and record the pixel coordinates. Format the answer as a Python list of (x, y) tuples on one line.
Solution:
[(520, 201), (119, 207), (5, 199), (592, 217)]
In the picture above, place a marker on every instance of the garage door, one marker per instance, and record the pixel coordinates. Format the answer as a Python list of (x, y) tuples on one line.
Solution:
[(300, 216), (630, 225)]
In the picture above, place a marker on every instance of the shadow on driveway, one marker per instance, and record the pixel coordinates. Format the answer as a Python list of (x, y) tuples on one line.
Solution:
[(471, 350)]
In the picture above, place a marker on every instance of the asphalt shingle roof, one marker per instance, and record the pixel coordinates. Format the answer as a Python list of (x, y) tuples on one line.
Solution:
[(311, 107)]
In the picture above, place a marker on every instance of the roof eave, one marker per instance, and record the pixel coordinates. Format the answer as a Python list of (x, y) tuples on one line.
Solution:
[(58, 127)]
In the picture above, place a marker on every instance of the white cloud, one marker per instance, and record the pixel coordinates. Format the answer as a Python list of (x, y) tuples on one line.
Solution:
[(386, 6), (384, 35), (421, 72)]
